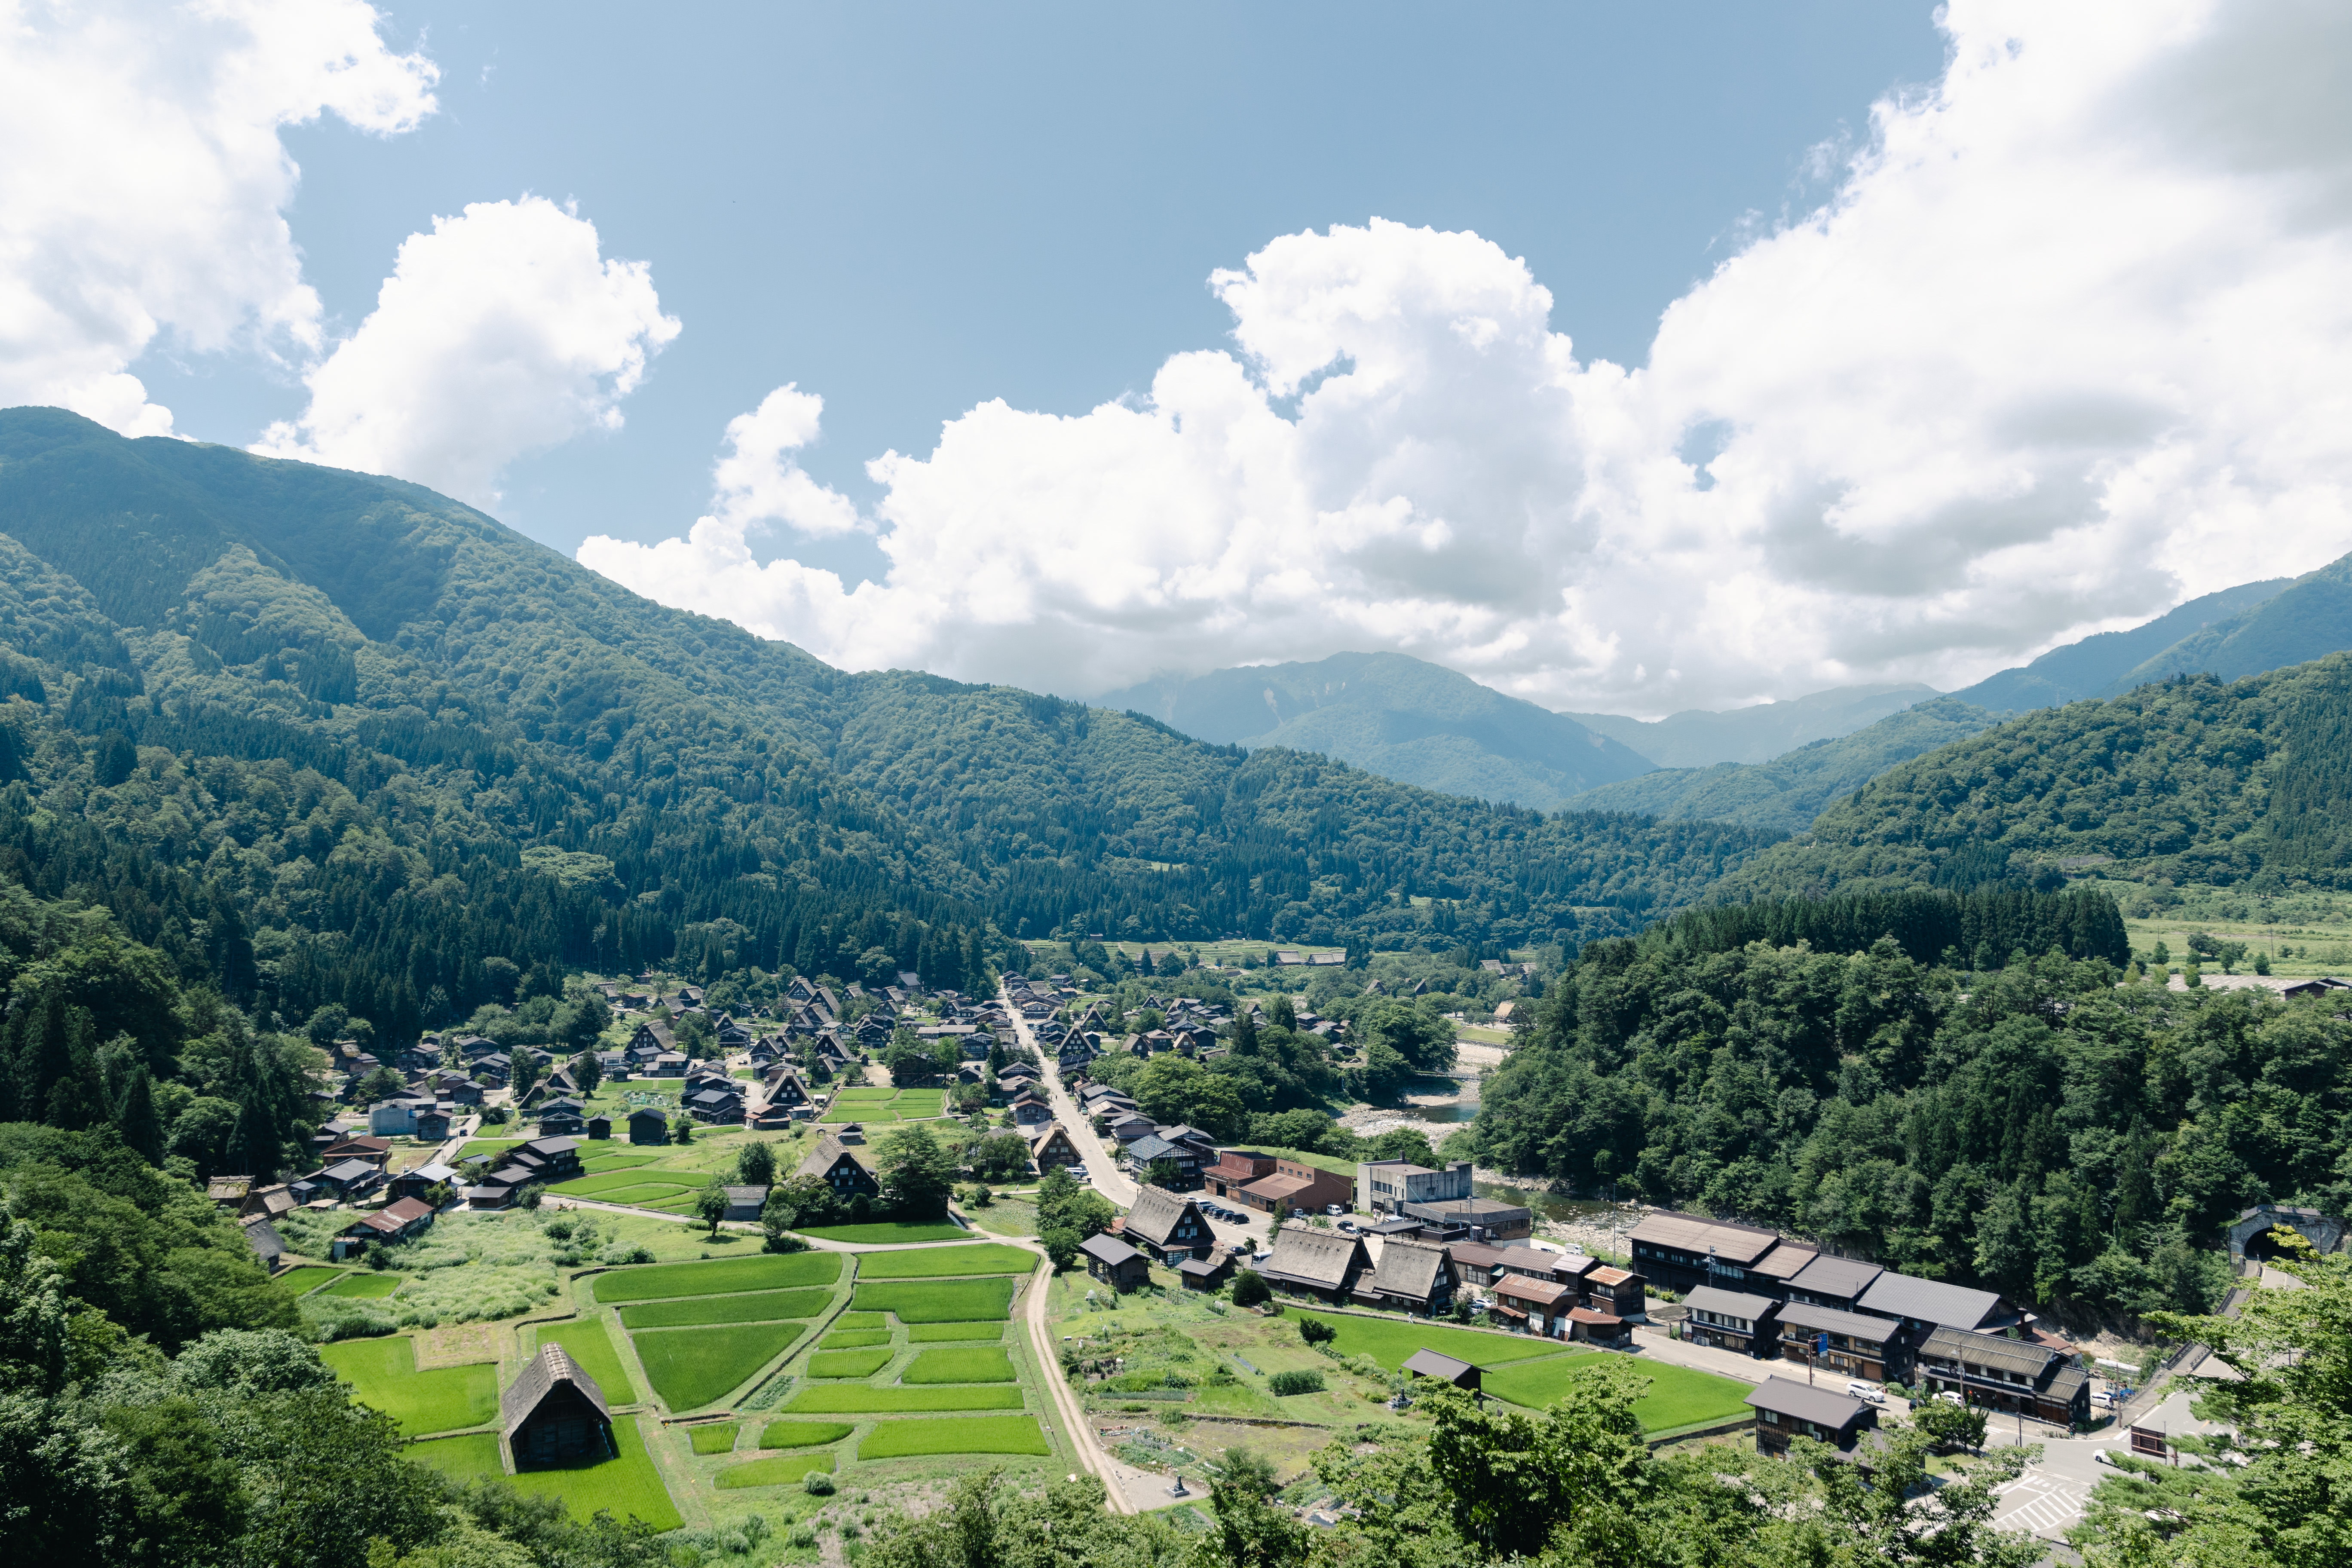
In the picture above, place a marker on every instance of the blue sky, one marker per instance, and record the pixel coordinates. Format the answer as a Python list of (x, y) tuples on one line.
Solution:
[(1622, 358), (911, 210)]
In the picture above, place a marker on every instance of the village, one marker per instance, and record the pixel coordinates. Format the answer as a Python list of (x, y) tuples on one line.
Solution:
[(682, 1240)]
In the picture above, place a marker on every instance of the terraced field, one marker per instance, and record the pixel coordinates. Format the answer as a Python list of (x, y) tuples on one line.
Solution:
[(877, 1106)]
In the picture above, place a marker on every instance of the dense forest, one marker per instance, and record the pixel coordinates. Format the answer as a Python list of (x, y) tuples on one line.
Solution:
[(2038, 1127), (2188, 780)]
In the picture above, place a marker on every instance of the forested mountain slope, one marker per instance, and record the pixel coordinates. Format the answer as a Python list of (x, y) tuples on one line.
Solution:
[(391, 738), (1786, 794), (2089, 668), (2039, 1130), (2307, 619), (2192, 779), (1398, 717)]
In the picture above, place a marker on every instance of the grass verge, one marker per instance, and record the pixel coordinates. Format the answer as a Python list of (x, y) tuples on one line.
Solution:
[(779, 1470)]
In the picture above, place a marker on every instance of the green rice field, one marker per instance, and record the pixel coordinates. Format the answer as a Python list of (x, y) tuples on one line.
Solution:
[(382, 1372), (965, 1435), (626, 1487), (1678, 1396), (864, 1399), (1391, 1341), (886, 1232), (305, 1278), (585, 1341), (940, 1301), (778, 1469), (855, 1340), (717, 1437), (803, 1433), (367, 1287), (932, 1333), (894, 1105), (657, 1281), (976, 1364), (849, 1363), (862, 1321), (944, 1262), (606, 1186), (751, 1306), (691, 1367)]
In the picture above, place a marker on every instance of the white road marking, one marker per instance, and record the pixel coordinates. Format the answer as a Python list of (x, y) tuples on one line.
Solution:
[(2042, 1504)]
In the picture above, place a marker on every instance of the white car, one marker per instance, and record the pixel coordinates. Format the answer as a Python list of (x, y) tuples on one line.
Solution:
[(1868, 1392)]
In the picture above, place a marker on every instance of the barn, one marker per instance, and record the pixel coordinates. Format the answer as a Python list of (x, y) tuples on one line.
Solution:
[(554, 1414)]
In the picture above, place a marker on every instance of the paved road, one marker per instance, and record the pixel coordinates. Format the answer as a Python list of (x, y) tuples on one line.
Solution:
[(1102, 1162)]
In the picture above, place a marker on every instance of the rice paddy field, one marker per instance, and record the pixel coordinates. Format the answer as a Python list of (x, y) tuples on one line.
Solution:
[(689, 1368), (717, 1275), (626, 1487), (383, 1373), (590, 1344), (941, 1262), (938, 1301), (750, 1307), (716, 1437), (882, 1106), (934, 1334), (956, 1435), (365, 1286)]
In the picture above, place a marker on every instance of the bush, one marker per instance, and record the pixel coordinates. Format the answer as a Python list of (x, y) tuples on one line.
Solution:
[(816, 1483), (1062, 1245), (1250, 1289), (1316, 1332), (1288, 1383)]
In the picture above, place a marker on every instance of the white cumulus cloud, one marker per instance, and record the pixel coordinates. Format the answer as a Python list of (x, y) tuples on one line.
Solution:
[(2068, 343), (143, 187), (502, 331)]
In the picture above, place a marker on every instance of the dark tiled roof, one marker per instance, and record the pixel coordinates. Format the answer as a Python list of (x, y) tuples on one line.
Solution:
[(1729, 1303), (1819, 1405), (1843, 1277), (1830, 1321), (1735, 1244), (1108, 1250), (1431, 1363), (1929, 1300)]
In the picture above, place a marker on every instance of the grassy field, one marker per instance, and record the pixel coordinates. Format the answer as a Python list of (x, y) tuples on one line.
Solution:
[(714, 1276), (888, 1232), (691, 1367), (863, 1399), (628, 1485), (862, 1321), (976, 1364), (751, 1306), (938, 1302), (851, 1364), (779, 1469), (967, 1434), (803, 1433), (931, 1333), (717, 1437), (459, 1458), (941, 1262), (365, 1286), (383, 1372), (855, 1340), (492, 1146), (1389, 1340), (897, 1105), (307, 1278), (1678, 1396), (587, 1342), (607, 1185)]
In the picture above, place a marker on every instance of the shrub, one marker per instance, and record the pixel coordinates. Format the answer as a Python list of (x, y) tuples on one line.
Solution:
[(816, 1483), (1316, 1332), (1288, 1383), (1250, 1289)]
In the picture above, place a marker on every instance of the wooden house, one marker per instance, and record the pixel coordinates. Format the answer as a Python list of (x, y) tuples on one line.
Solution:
[(1115, 1263)]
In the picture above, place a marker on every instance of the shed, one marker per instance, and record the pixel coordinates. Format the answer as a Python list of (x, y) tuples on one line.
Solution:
[(744, 1203), (599, 1127), (1115, 1263), (555, 1413), (647, 1125), (1207, 1273), (1428, 1362)]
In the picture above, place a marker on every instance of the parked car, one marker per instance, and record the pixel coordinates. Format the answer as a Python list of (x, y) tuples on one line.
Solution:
[(1950, 1397), (1868, 1392), (1348, 1225), (1334, 1210)]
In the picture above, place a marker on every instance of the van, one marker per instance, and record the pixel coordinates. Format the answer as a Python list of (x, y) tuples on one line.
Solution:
[(1868, 1392)]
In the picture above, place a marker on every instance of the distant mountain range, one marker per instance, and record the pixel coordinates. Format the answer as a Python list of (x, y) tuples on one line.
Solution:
[(1775, 765), (1699, 739), (1402, 718)]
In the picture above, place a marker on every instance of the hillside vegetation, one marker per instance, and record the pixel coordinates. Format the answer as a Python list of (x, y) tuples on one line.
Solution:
[(2188, 780), (1786, 794), (1400, 718)]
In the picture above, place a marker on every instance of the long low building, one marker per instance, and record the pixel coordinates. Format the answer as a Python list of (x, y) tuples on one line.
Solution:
[(2002, 1373)]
